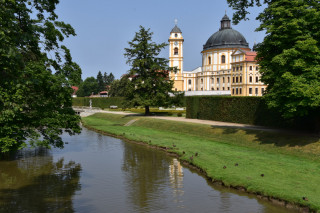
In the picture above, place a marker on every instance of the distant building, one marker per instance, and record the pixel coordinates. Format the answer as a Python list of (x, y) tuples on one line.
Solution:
[(228, 65), (75, 89)]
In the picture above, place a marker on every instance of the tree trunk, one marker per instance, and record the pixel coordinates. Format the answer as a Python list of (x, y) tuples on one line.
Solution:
[(147, 110)]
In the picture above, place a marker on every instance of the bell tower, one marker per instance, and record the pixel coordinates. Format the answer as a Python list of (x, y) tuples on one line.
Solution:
[(176, 56)]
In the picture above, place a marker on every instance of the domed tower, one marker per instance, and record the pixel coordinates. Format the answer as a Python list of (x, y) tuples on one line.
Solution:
[(216, 56), (176, 56)]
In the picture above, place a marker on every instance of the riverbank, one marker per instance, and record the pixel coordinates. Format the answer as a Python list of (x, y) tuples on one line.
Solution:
[(275, 165)]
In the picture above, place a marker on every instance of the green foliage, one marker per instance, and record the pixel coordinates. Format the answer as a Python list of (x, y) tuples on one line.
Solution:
[(289, 55), (100, 81), (88, 87), (150, 76), (108, 79), (100, 102), (246, 110), (121, 88), (35, 86)]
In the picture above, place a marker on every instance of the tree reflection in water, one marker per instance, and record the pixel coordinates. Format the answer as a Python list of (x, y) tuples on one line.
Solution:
[(145, 172), (34, 183)]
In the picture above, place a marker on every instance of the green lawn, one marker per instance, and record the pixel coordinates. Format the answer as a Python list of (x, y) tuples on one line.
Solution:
[(290, 163)]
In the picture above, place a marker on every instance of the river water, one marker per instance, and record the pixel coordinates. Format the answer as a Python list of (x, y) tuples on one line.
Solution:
[(97, 173)]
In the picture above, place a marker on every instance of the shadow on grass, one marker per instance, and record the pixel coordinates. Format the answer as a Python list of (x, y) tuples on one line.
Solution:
[(277, 137)]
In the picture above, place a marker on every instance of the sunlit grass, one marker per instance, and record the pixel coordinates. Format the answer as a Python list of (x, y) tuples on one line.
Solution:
[(289, 162)]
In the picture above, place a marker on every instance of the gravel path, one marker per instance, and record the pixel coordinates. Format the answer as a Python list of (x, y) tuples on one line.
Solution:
[(87, 112)]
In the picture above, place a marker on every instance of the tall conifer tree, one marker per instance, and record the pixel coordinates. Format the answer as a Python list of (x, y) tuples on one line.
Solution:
[(149, 72)]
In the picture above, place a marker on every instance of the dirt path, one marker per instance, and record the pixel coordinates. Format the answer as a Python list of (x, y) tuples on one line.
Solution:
[(87, 112)]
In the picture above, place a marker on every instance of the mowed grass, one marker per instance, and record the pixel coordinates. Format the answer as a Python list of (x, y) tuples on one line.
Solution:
[(290, 163)]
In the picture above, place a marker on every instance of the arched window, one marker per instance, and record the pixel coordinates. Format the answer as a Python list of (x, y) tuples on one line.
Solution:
[(209, 60), (176, 51), (223, 59), (176, 35)]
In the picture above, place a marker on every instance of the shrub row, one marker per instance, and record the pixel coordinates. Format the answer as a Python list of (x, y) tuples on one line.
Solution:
[(99, 102), (246, 110)]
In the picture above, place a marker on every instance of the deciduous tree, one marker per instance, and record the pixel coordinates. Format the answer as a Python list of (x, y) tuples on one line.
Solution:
[(36, 75), (289, 55)]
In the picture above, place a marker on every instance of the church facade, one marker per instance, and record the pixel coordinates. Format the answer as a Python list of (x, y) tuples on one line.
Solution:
[(228, 65)]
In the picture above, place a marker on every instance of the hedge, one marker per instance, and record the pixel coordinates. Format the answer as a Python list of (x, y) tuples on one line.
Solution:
[(99, 102), (246, 110)]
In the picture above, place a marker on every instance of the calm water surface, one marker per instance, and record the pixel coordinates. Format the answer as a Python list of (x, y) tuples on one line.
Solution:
[(96, 173)]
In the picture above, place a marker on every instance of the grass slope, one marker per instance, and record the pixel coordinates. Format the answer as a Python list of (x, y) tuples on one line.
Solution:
[(290, 163)]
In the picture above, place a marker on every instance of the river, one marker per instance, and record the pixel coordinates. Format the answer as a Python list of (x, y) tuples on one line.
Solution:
[(97, 173)]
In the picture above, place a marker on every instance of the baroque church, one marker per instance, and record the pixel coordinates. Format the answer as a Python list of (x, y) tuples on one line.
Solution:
[(228, 65)]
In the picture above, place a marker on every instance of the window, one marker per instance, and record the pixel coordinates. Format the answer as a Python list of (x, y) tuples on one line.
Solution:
[(217, 80), (222, 88), (250, 91), (240, 68), (201, 80), (236, 79), (209, 60), (250, 68), (240, 91), (257, 68), (232, 79), (250, 79), (233, 68), (212, 88), (212, 80), (201, 88), (223, 80), (189, 89), (233, 91), (256, 91), (176, 51), (176, 35), (228, 88), (228, 79), (223, 59), (237, 68), (237, 91), (240, 79), (262, 91), (257, 79), (189, 81), (217, 88)]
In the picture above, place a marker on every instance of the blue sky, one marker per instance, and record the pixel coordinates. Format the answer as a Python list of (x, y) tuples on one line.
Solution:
[(104, 28)]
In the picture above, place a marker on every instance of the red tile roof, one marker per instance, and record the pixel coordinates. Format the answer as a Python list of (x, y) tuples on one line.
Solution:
[(250, 55)]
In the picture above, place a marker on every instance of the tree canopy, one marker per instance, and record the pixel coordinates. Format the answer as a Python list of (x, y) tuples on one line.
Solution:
[(289, 55), (36, 75), (149, 73)]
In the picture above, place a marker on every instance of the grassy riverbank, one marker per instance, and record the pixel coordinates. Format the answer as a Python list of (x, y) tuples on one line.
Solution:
[(290, 164)]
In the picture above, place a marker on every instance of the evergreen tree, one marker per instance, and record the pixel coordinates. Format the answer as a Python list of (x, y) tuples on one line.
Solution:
[(289, 55), (110, 79), (35, 89), (150, 77), (100, 81)]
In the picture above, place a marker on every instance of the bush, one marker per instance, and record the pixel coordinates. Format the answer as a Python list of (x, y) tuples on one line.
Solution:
[(179, 114), (246, 110), (100, 102)]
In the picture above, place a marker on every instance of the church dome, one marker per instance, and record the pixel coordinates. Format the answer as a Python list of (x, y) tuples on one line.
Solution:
[(226, 37)]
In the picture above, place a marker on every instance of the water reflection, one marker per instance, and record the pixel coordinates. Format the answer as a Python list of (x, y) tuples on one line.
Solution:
[(115, 177), (145, 173), (176, 179), (32, 185)]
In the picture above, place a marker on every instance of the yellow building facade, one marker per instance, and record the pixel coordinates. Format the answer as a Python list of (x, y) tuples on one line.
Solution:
[(220, 65)]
